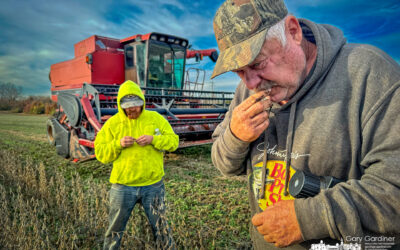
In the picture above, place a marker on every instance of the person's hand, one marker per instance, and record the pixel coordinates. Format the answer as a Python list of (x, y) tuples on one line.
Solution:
[(144, 140), (250, 118), (278, 224), (127, 141)]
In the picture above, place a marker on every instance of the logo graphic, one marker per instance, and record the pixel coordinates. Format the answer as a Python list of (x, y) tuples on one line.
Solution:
[(322, 246), (274, 183)]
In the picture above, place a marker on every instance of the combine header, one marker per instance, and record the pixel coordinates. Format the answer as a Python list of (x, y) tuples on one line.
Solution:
[(85, 89)]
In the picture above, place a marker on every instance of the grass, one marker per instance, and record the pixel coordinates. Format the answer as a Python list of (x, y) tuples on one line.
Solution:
[(48, 202)]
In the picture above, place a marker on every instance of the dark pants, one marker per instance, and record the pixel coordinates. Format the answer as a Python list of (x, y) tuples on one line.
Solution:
[(122, 201)]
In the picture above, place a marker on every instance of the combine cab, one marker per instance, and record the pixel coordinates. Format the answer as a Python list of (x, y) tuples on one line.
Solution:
[(86, 87)]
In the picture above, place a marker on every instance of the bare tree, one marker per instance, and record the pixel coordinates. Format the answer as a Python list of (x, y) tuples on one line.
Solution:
[(9, 93)]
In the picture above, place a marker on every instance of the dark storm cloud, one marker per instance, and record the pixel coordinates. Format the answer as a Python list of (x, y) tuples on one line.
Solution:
[(38, 33), (372, 22)]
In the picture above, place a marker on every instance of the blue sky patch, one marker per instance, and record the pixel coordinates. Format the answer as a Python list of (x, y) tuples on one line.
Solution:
[(38, 33)]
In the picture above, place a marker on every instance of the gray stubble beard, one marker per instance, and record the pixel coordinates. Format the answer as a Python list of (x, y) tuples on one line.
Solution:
[(266, 86)]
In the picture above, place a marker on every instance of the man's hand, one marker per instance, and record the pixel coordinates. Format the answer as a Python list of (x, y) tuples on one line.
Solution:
[(144, 140), (278, 224), (127, 141), (250, 118)]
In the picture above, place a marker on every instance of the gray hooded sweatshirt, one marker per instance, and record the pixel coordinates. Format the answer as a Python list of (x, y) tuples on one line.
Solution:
[(344, 121)]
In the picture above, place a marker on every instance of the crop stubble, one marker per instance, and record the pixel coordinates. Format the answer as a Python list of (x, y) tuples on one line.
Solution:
[(47, 202)]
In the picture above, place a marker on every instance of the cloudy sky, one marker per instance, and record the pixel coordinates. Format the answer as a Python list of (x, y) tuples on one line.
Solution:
[(36, 33)]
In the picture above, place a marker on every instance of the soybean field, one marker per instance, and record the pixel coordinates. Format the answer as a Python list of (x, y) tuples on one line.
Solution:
[(48, 202)]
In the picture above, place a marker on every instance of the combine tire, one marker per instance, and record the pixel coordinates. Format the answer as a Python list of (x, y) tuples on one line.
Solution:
[(51, 132)]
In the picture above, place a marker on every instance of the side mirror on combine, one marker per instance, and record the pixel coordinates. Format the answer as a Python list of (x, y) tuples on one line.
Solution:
[(214, 56)]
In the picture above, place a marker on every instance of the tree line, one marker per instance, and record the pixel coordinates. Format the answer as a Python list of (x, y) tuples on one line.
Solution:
[(11, 99)]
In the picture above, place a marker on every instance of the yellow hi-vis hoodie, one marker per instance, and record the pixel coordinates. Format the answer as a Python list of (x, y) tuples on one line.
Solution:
[(135, 165)]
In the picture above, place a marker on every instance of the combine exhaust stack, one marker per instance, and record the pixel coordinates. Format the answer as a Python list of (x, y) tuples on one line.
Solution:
[(86, 89)]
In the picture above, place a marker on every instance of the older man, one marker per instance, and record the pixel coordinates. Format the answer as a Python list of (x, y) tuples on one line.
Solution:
[(335, 113), (134, 140)]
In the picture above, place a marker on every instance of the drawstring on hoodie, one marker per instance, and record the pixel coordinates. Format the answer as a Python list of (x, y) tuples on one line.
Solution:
[(264, 168), (265, 159), (289, 145)]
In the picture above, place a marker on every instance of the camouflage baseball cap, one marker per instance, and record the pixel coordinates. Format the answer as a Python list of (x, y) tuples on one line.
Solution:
[(240, 28)]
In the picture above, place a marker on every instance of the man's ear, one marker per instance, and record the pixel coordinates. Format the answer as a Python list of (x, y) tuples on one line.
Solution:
[(293, 29)]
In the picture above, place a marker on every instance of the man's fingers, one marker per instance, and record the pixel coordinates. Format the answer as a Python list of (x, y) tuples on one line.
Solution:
[(262, 230), (128, 139), (258, 107), (269, 238), (248, 129), (279, 238), (246, 104), (262, 222), (278, 224), (250, 115), (263, 125), (259, 123), (144, 140), (258, 219), (141, 139), (259, 118)]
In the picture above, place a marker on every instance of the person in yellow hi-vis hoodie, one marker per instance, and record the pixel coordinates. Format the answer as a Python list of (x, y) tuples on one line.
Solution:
[(134, 140)]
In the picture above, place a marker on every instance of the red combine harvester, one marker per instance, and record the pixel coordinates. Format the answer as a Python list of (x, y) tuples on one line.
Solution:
[(86, 87)]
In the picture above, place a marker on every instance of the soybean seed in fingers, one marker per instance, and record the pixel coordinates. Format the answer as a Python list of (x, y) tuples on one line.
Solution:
[(251, 100)]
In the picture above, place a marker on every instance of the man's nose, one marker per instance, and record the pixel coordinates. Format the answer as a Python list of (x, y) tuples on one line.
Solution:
[(251, 78)]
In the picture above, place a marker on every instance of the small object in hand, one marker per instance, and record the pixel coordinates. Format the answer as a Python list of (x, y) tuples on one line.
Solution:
[(265, 97)]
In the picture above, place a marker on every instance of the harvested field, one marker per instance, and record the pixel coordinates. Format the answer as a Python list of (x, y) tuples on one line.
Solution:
[(47, 202)]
